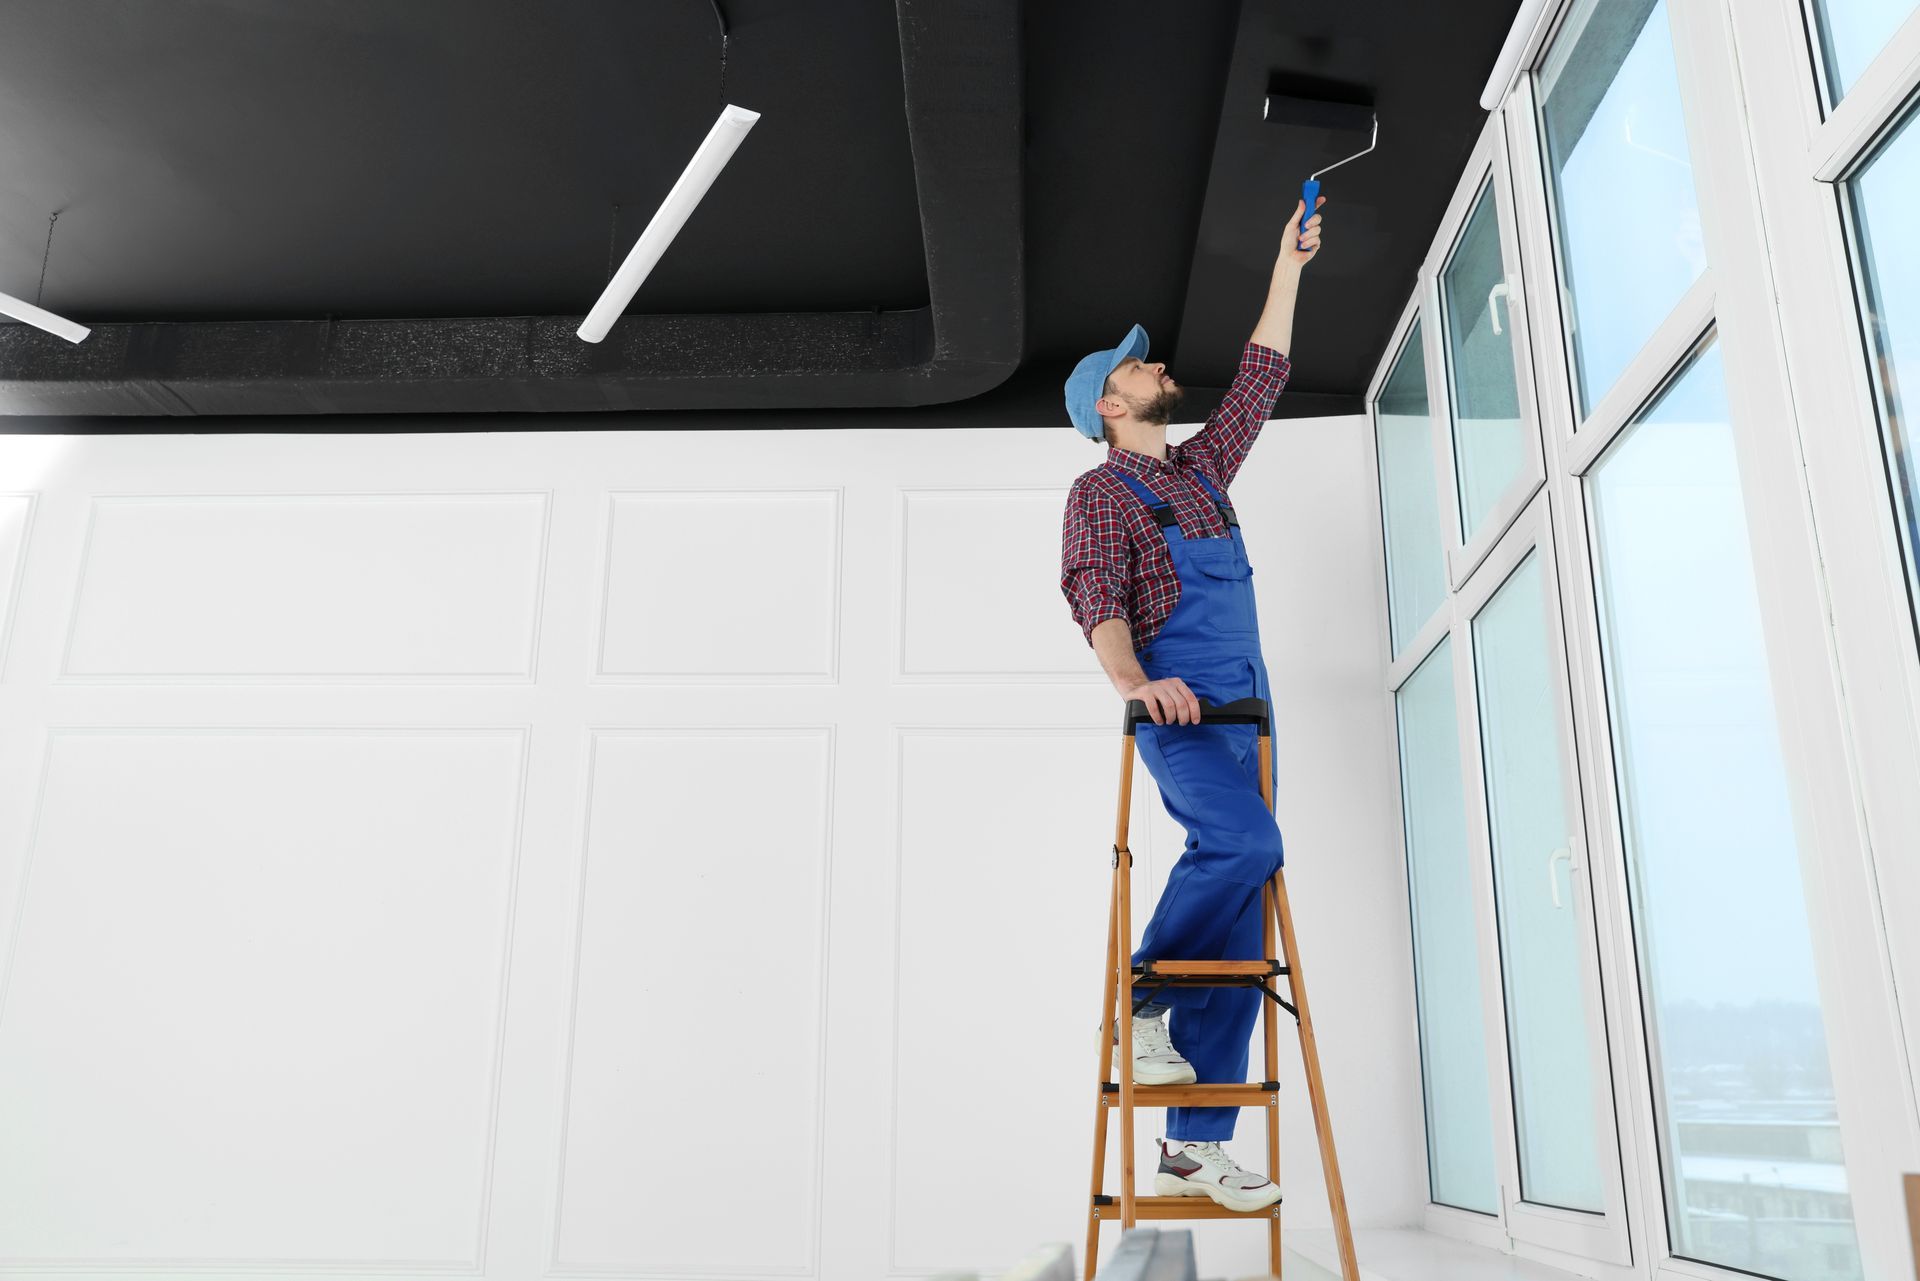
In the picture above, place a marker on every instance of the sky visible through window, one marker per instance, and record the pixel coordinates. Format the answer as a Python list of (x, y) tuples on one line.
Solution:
[(1626, 223), (1851, 33), (1749, 1133)]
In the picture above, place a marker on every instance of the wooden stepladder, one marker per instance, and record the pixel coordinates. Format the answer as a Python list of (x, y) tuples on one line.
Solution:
[(1121, 974)]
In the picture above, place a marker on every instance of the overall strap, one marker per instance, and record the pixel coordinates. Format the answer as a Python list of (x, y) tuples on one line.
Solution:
[(1162, 511), (1219, 499), (1159, 508)]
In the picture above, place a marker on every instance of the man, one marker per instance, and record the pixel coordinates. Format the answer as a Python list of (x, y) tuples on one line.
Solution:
[(1155, 571)]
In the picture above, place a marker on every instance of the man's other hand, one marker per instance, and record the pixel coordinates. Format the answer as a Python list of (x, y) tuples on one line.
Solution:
[(1168, 698)]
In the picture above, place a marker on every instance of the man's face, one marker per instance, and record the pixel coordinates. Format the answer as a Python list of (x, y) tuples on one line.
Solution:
[(1144, 388)]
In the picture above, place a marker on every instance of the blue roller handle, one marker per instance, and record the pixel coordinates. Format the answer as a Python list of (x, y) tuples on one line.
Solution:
[(1310, 194)]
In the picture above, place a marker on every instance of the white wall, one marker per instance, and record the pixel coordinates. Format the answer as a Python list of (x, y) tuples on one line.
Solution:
[(520, 854)]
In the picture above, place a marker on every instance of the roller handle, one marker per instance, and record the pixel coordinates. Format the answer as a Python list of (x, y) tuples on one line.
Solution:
[(1310, 196), (1242, 711)]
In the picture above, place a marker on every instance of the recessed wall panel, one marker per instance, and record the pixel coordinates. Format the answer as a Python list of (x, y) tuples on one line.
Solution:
[(1004, 848), (694, 1086), (254, 999), (720, 585), (321, 587), (980, 588)]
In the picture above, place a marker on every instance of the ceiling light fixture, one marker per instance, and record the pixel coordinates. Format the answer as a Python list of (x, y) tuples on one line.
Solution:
[(721, 142), (59, 326)]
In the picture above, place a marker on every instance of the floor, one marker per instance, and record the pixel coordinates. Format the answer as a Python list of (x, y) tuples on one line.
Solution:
[(1388, 1254)]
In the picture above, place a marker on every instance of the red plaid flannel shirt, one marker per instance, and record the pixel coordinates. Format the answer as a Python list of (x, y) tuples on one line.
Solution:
[(1114, 561)]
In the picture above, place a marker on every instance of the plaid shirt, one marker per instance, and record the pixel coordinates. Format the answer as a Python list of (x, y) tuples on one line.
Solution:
[(1114, 561)]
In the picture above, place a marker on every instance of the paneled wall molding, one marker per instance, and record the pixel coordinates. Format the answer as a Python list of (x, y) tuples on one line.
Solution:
[(644, 826)]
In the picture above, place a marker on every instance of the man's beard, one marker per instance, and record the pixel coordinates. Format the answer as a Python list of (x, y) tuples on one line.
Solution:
[(1159, 407)]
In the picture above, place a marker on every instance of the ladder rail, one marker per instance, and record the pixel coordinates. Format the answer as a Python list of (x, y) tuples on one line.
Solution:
[(1316, 1084), (1117, 984), (1123, 970), (1270, 1017), (1104, 1038)]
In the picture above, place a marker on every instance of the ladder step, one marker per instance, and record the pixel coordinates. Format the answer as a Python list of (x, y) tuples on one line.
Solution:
[(1202, 1095), (1179, 1207), (1209, 968)]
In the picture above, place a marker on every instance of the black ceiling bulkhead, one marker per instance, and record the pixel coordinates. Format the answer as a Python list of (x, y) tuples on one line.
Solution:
[(284, 209), (960, 67)]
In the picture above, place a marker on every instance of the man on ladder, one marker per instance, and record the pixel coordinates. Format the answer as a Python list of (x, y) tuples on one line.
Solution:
[(1156, 573)]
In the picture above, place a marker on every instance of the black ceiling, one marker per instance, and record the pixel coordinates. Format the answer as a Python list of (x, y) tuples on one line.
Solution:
[(399, 210), (278, 159)]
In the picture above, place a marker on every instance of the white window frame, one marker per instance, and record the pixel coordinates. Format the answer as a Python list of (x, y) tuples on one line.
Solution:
[(1734, 298), (1487, 164), (1423, 638), (1835, 611), (1797, 571), (1600, 1236), (1830, 456), (1467, 1225), (1471, 1225), (1517, 524)]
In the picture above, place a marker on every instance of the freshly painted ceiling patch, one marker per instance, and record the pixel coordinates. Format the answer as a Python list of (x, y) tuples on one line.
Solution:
[(59, 326), (721, 141)]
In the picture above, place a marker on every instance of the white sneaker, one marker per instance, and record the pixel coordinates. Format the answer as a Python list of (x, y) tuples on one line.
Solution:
[(1204, 1169), (1155, 1061)]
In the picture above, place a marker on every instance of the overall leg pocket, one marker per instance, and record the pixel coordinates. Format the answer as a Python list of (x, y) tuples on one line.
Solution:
[(1233, 834)]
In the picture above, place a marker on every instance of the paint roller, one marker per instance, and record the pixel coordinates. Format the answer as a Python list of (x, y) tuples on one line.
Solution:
[(1326, 106)]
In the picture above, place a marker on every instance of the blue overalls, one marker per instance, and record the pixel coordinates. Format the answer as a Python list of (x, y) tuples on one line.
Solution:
[(1209, 777)]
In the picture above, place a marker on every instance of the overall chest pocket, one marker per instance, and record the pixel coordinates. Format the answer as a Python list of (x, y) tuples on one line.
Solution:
[(1228, 583)]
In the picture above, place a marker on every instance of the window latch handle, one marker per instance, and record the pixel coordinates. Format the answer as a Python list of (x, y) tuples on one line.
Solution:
[(1553, 881)]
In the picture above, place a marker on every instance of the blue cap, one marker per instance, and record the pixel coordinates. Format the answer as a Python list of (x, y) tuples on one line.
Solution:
[(1089, 379)]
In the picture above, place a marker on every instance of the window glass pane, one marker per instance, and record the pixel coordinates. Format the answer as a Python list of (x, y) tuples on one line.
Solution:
[(1749, 1134), (1488, 448), (1446, 966), (1851, 33), (1550, 1048), (1409, 502), (1626, 227), (1883, 197)]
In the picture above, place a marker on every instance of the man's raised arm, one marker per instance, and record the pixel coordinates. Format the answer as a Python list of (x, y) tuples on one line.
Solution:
[(1264, 370), (1275, 329)]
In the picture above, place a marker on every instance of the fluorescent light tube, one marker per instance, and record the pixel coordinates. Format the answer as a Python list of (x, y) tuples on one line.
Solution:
[(58, 326), (721, 141)]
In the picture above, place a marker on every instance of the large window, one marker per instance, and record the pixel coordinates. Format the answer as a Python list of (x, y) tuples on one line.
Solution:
[(1626, 226), (1489, 437), (1519, 1089), (1453, 1047), (1748, 1130), (1543, 949), (1686, 676), (1416, 566)]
